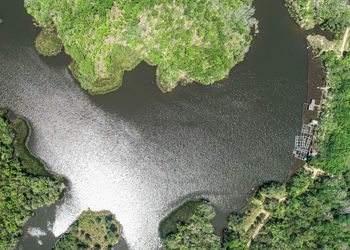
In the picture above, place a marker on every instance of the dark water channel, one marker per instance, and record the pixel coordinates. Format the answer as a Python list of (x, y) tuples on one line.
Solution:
[(140, 153)]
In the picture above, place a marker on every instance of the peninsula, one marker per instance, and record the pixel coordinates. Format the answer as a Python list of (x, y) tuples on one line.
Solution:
[(188, 41), (25, 183)]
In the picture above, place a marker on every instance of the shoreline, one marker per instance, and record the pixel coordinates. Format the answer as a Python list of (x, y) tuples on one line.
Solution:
[(94, 214), (179, 214), (30, 165), (316, 80), (23, 131)]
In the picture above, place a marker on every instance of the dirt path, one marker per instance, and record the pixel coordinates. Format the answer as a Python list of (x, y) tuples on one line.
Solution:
[(315, 171), (345, 38), (257, 230)]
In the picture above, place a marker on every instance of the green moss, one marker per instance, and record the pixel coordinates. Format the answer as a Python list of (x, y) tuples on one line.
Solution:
[(47, 43), (92, 230), (195, 40)]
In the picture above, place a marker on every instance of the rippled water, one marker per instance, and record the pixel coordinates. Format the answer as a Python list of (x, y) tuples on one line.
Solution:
[(140, 153)]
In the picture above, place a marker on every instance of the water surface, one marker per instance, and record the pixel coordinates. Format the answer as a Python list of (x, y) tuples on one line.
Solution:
[(140, 153)]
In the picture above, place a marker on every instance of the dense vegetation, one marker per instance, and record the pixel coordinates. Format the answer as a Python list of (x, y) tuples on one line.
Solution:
[(334, 135), (47, 43), (196, 40), (181, 214), (24, 182), (329, 14), (195, 232), (315, 214), (92, 230)]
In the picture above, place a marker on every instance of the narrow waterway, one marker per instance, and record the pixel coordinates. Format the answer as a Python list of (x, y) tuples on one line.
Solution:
[(140, 153)]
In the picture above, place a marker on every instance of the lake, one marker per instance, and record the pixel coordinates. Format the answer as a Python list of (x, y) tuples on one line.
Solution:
[(140, 153)]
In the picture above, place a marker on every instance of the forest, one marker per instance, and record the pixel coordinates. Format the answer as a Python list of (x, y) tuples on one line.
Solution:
[(331, 15), (313, 214), (333, 137), (195, 232), (197, 40), (21, 190), (92, 230)]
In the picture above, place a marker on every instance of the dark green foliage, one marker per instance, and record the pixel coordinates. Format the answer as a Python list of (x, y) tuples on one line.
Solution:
[(196, 232), (331, 15), (92, 230), (273, 190), (334, 134), (195, 40), (47, 43), (334, 15), (315, 218), (20, 190), (181, 214)]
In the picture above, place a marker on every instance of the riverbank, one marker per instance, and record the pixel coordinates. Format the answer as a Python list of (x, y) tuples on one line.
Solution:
[(32, 164), (26, 184), (328, 174), (316, 77), (193, 228)]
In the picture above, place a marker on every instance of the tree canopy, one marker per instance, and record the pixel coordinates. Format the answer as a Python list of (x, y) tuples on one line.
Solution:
[(197, 40), (21, 191)]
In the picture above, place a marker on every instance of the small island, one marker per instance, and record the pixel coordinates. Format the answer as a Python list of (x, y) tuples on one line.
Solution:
[(25, 183), (47, 43), (92, 230), (188, 41)]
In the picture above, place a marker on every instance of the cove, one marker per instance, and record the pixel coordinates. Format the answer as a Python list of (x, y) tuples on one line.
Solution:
[(140, 153)]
